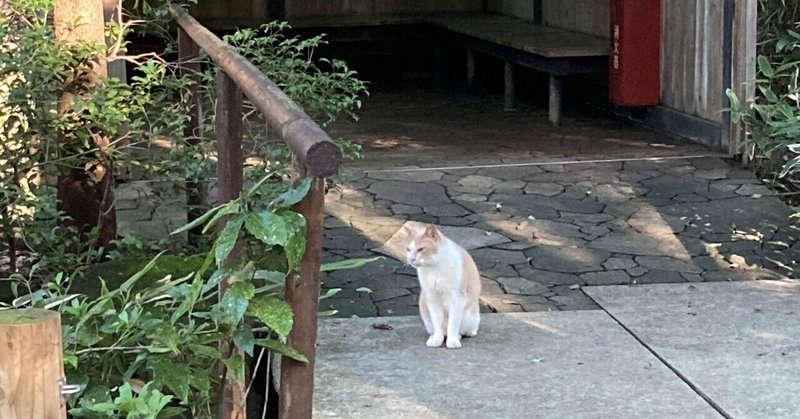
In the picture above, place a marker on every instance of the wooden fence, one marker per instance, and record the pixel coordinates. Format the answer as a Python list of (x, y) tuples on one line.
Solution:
[(315, 155)]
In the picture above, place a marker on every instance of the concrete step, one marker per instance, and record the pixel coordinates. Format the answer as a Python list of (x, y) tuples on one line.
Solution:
[(725, 349), (521, 365)]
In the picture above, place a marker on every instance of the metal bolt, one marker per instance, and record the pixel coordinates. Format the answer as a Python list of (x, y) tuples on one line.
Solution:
[(67, 390)]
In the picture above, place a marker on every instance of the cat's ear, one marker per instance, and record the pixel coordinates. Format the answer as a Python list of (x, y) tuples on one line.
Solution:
[(432, 232)]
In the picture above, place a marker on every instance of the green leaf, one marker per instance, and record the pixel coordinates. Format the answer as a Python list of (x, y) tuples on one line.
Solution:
[(197, 221), (235, 368), (273, 312), (274, 277), (330, 293), (229, 208), (281, 348), (172, 374), (189, 300), (167, 336), (296, 246), (269, 227), (764, 66), (364, 289), (347, 264), (205, 350), (293, 195), (244, 338), (236, 300), (171, 412), (217, 277), (227, 239), (127, 285), (253, 189)]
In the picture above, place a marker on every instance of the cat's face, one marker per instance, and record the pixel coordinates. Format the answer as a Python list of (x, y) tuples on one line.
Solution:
[(422, 250)]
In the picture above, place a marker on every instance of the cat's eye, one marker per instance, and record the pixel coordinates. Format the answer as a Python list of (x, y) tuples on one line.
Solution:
[(420, 249)]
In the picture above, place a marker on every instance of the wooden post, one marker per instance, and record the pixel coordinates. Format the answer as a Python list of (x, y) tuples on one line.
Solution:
[(555, 100), (471, 68), (510, 97), (438, 62), (302, 294), (230, 174), (188, 60), (31, 365), (745, 27)]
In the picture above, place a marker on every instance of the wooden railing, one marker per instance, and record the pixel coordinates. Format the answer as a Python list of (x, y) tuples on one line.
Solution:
[(315, 155)]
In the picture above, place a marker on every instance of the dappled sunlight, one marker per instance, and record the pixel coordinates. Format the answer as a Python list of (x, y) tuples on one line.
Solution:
[(398, 142), (539, 325), (349, 383), (785, 287), (770, 337), (361, 215)]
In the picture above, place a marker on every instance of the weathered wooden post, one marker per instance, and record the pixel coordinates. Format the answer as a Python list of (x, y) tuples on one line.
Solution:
[(316, 155), (189, 66), (31, 365), (302, 294), (230, 174), (471, 80), (510, 96)]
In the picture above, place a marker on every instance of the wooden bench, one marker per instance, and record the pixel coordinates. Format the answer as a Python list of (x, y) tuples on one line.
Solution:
[(557, 52), (548, 49)]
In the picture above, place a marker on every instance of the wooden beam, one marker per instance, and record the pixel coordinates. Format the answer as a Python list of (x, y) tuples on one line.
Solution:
[(230, 174), (745, 28), (438, 62), (471, 68), (308, 141), (555, 100), (510, 96), (302, 294), (189, 66), (727, 64)]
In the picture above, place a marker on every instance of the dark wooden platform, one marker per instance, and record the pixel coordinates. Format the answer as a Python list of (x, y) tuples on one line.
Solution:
[(555, 51)]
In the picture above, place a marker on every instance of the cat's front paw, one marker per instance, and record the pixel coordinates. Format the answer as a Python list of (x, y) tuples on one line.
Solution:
[(453, 343), (435, 341)]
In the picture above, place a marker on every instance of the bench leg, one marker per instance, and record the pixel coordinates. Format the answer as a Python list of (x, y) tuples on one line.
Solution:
[(555, 99), (510, 102), (470, 68), (438, 63)]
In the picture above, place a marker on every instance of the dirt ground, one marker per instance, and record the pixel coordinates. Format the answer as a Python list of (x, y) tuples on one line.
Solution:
[(422, 124)]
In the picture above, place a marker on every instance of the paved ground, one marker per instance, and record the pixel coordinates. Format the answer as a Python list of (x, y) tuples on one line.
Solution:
[(557, 219), (681, 351), (546, 210), (569, 226), (738, 343), (594, 202)]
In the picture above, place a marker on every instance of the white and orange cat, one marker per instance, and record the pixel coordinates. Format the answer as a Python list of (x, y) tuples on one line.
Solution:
[(450, 287)]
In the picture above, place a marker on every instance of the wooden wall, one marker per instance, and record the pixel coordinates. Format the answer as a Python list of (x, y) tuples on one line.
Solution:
[(231, 13), (333, 8), (587, 16), (691, 57), (521, 9)]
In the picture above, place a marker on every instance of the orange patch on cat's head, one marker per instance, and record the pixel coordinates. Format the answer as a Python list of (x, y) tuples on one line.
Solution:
[(432, 232)]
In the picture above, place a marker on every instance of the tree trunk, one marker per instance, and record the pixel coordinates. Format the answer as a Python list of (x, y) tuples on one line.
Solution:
[(86, 192)]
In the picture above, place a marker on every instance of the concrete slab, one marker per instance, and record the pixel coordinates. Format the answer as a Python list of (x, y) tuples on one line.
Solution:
[(739, 343), (547, 364)]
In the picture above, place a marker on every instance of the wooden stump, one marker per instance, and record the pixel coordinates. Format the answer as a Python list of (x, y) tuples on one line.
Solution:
[(31, 365)]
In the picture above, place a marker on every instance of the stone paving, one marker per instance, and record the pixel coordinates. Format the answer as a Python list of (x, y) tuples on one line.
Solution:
[(563, 227)]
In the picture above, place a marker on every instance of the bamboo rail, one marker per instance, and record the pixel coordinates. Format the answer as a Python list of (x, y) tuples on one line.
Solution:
[(315, 155)]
